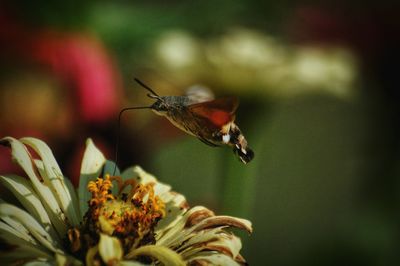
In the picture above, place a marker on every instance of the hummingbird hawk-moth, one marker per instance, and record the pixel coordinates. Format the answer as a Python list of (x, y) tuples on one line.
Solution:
[(211, 120)]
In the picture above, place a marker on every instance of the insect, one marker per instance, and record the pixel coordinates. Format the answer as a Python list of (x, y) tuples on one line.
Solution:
[(211, 121)]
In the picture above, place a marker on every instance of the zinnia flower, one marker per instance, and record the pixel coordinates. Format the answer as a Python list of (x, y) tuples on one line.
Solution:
[(126, 219)]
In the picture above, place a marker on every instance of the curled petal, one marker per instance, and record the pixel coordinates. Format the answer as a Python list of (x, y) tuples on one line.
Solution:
[(198, 216), (212, 258), (163, 254), (215, 239), (216, 221), (226, 243)]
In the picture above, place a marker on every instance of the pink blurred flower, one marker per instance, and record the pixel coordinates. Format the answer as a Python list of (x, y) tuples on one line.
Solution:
[(83, 61), (78, 59)]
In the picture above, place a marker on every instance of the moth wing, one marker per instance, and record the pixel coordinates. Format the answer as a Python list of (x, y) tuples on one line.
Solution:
[(215, 113), (199, 94)]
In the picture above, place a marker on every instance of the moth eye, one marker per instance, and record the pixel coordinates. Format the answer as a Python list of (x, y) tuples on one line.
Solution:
[(159, 106), (163, 107)]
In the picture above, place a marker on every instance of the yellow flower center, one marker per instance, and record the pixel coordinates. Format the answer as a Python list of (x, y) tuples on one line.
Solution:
[(130, 216), (136, 212)]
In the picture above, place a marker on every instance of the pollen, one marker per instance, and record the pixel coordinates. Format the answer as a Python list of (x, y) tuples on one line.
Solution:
[(130, 215), (100, 190)]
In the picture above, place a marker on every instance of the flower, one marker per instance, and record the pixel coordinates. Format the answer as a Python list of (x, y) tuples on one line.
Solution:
[(126, 219)]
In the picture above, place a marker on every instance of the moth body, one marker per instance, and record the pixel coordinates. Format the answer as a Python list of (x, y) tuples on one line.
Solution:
[(177, 109), (210, 120)]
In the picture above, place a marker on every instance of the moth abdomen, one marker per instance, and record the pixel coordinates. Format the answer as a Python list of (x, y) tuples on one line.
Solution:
[(239, 143), (244, 154)]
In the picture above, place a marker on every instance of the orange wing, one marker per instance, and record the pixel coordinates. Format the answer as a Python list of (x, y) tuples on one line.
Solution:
[(218, 112)]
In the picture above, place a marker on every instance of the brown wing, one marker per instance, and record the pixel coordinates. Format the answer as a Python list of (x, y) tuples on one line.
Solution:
[(216, 113)]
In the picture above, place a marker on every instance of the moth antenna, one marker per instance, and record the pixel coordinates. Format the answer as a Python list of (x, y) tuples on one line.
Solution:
[(147, 88), (119, 131)]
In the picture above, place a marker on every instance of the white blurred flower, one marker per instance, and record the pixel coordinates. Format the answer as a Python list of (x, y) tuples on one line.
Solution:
[(130, 219), (245, 59), (331, 69), (245, 49), (177, 50)]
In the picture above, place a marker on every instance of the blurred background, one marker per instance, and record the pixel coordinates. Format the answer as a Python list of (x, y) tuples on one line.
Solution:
[(319, 91)]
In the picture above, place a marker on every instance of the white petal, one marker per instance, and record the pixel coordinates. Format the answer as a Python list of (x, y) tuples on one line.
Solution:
[(24, 192), (110, 249), (26, 220), (22, 157), (92, 163), (142, 176), (54, 178)]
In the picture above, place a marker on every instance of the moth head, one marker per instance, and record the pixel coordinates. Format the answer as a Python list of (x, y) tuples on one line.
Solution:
[(159, 107)]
